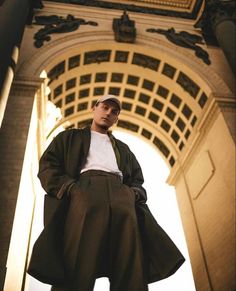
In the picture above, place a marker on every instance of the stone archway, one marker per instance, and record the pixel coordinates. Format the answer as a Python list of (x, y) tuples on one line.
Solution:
[(170, 101), (165, 95)]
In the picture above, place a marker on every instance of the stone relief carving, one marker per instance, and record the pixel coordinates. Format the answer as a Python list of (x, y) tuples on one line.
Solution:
[(186, 40), (124, 29), (56, 24)]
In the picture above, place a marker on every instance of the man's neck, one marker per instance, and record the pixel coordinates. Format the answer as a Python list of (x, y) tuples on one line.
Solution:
[(99, 129)]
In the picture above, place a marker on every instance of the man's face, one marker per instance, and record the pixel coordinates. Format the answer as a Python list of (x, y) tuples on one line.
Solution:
[(105, 114)]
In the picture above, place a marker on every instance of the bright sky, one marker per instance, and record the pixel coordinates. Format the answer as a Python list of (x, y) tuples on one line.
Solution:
[(163, 205)]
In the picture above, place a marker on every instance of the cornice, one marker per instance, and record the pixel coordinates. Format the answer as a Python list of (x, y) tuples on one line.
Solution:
[(165, 8), (226, 102), (30, 83)]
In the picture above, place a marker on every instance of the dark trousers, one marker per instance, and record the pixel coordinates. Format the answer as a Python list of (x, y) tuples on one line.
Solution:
[(102, 236)]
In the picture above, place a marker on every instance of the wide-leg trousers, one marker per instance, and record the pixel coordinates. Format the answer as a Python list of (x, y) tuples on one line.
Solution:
[(102, 236)]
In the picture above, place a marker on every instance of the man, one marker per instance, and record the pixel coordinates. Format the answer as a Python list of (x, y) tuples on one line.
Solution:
[(101, 233)]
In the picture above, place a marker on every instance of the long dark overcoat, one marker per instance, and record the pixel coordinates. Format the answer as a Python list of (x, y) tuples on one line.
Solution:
[(59, 167)]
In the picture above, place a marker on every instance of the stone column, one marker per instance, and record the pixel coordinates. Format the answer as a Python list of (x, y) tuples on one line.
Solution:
[(13, 17), (224, 28), (13, 139), (218, 24), (204, 179)]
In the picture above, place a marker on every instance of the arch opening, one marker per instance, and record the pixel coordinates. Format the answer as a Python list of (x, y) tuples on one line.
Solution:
[(163, 204), (161, 102)]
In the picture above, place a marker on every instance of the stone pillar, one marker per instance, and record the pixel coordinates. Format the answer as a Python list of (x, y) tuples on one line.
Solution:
[(13, 138), (228, 109), (224, 28), (13, 17), (204, 178), (218, 22)]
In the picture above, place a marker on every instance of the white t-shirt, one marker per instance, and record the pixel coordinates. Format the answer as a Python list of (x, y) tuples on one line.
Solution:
[(101, 155)]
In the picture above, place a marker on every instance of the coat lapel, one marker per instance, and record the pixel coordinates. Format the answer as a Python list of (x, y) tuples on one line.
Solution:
[(84, 139), (119, 153), (122, 156)]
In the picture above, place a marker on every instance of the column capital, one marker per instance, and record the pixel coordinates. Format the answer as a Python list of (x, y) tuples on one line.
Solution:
[(215, 12), (220, 10), (28, 83)]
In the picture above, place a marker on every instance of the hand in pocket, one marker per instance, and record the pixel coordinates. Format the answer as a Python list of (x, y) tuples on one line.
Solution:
[(73, 189)]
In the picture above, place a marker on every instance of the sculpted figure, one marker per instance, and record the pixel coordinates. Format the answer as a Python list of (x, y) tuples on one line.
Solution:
[(184, 39)]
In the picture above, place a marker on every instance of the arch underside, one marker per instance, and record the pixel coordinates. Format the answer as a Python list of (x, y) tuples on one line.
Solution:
[(161, 102)]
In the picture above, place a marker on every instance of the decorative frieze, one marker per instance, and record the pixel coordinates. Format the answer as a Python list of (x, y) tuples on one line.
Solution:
[(186, 40), (56, 24)]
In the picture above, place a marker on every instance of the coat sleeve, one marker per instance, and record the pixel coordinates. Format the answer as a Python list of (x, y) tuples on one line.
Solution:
[(52, 173), (137, 179)]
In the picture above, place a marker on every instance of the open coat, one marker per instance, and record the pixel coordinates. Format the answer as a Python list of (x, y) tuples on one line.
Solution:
[(59, 167)]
